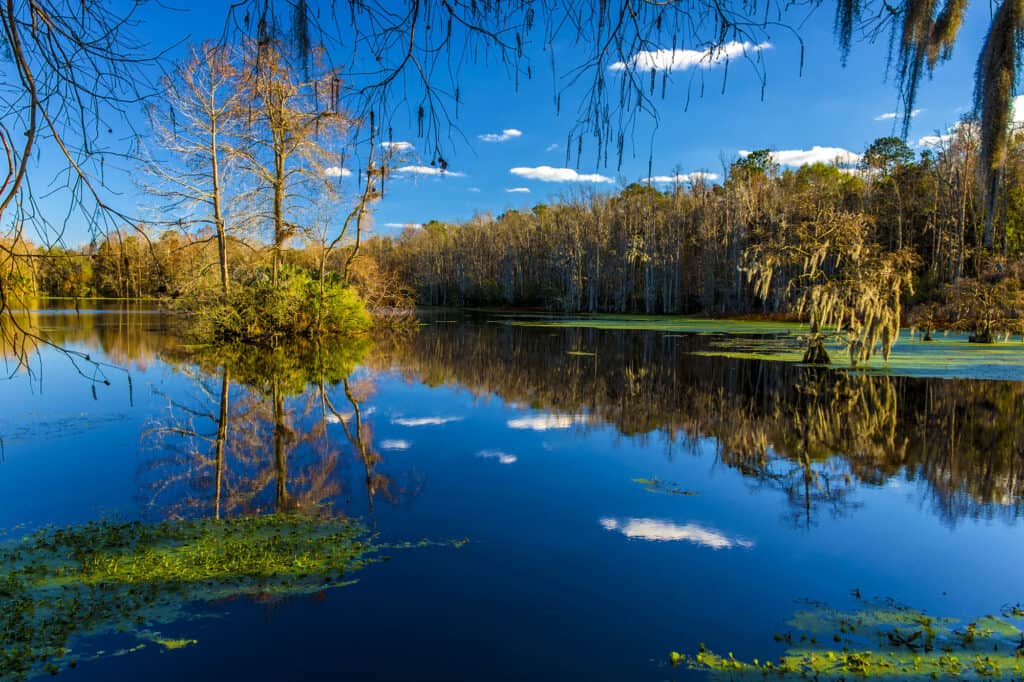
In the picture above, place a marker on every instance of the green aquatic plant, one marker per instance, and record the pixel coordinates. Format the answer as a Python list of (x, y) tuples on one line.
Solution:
[(172, 644), (655, 485), (881, 640), (950, 356), (675, 324), (64, 587)]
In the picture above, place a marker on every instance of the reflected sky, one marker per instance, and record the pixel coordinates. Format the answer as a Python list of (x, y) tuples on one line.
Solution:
[(546, 421), (574, 560), (413, 422), (501, 457), (659, 530)]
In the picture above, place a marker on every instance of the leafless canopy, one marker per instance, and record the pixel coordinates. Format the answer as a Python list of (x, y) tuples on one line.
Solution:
[(406, 62), (72, 80)]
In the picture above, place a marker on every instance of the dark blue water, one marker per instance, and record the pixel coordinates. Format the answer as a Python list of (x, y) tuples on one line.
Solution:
[(898, 487)]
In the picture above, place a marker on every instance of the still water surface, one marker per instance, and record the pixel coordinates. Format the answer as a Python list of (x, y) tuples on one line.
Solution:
[(762, 484)]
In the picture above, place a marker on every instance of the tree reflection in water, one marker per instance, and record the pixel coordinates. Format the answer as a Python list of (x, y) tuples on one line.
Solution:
[(255, 434), (815, 434)]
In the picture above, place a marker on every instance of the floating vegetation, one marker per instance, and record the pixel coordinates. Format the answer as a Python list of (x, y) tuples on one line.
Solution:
[(655, 485), (664, 323), (62, 587), (745, 347), (951, 357), (580, 352), (882, 640), (172, 644)]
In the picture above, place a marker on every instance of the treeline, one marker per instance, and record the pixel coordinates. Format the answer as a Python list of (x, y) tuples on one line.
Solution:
[(149, 263), (251, 233), (693, 247)]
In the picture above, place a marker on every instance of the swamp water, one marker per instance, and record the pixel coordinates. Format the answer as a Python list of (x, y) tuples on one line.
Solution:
[(492, 498)]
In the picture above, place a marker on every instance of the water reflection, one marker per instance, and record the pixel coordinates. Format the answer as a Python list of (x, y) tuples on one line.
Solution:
[(535, 455), (659, 530), (498, 455), (814, 434), (263, 431), (546, 422), (413, 422), (258, 432), (127, 334)]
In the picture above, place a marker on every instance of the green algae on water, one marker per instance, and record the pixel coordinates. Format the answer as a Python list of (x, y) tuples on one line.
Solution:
[(950, 357), (63, 587), (881, 640), (656, 485), (663, 323)]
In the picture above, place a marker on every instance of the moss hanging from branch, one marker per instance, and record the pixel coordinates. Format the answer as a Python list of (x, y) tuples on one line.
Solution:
[(831, 272)]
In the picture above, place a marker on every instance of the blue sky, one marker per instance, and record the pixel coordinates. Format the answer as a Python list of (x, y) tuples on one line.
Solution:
[(827, 106)]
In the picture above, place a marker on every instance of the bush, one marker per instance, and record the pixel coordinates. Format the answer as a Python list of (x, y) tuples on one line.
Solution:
[(262, 312)]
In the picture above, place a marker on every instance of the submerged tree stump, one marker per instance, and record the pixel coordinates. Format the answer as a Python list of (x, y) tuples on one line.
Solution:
[(816, 353), (982, 337)]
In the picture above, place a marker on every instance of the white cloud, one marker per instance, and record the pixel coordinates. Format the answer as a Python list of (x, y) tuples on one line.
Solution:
[(938, 140), (933, 140), (667, 531), (504, 136), (892, 115), (333, 418), (859, 172), (474, 189), (337, 172), (816, 154), (428, 170), (395, 445), (545, 422), (551, 174), (502, 457), (680, 60), (551, 147), (682, 178), (424, 421), (404, 226), (1018, 109), (518, 190), (400, 146)]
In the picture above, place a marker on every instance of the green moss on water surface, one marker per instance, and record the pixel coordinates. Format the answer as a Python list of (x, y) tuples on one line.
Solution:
[(656, 485), (65, 586), (664, 323), (172, 644), (948, 356), (882, 640)]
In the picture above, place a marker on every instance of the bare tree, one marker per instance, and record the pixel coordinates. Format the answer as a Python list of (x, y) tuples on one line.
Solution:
[(291, 144), (75, 74), (194, 124)]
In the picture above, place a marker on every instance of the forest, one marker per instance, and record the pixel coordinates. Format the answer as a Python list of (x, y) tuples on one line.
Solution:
[(246, 226), (698, 246), (783, 244)]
